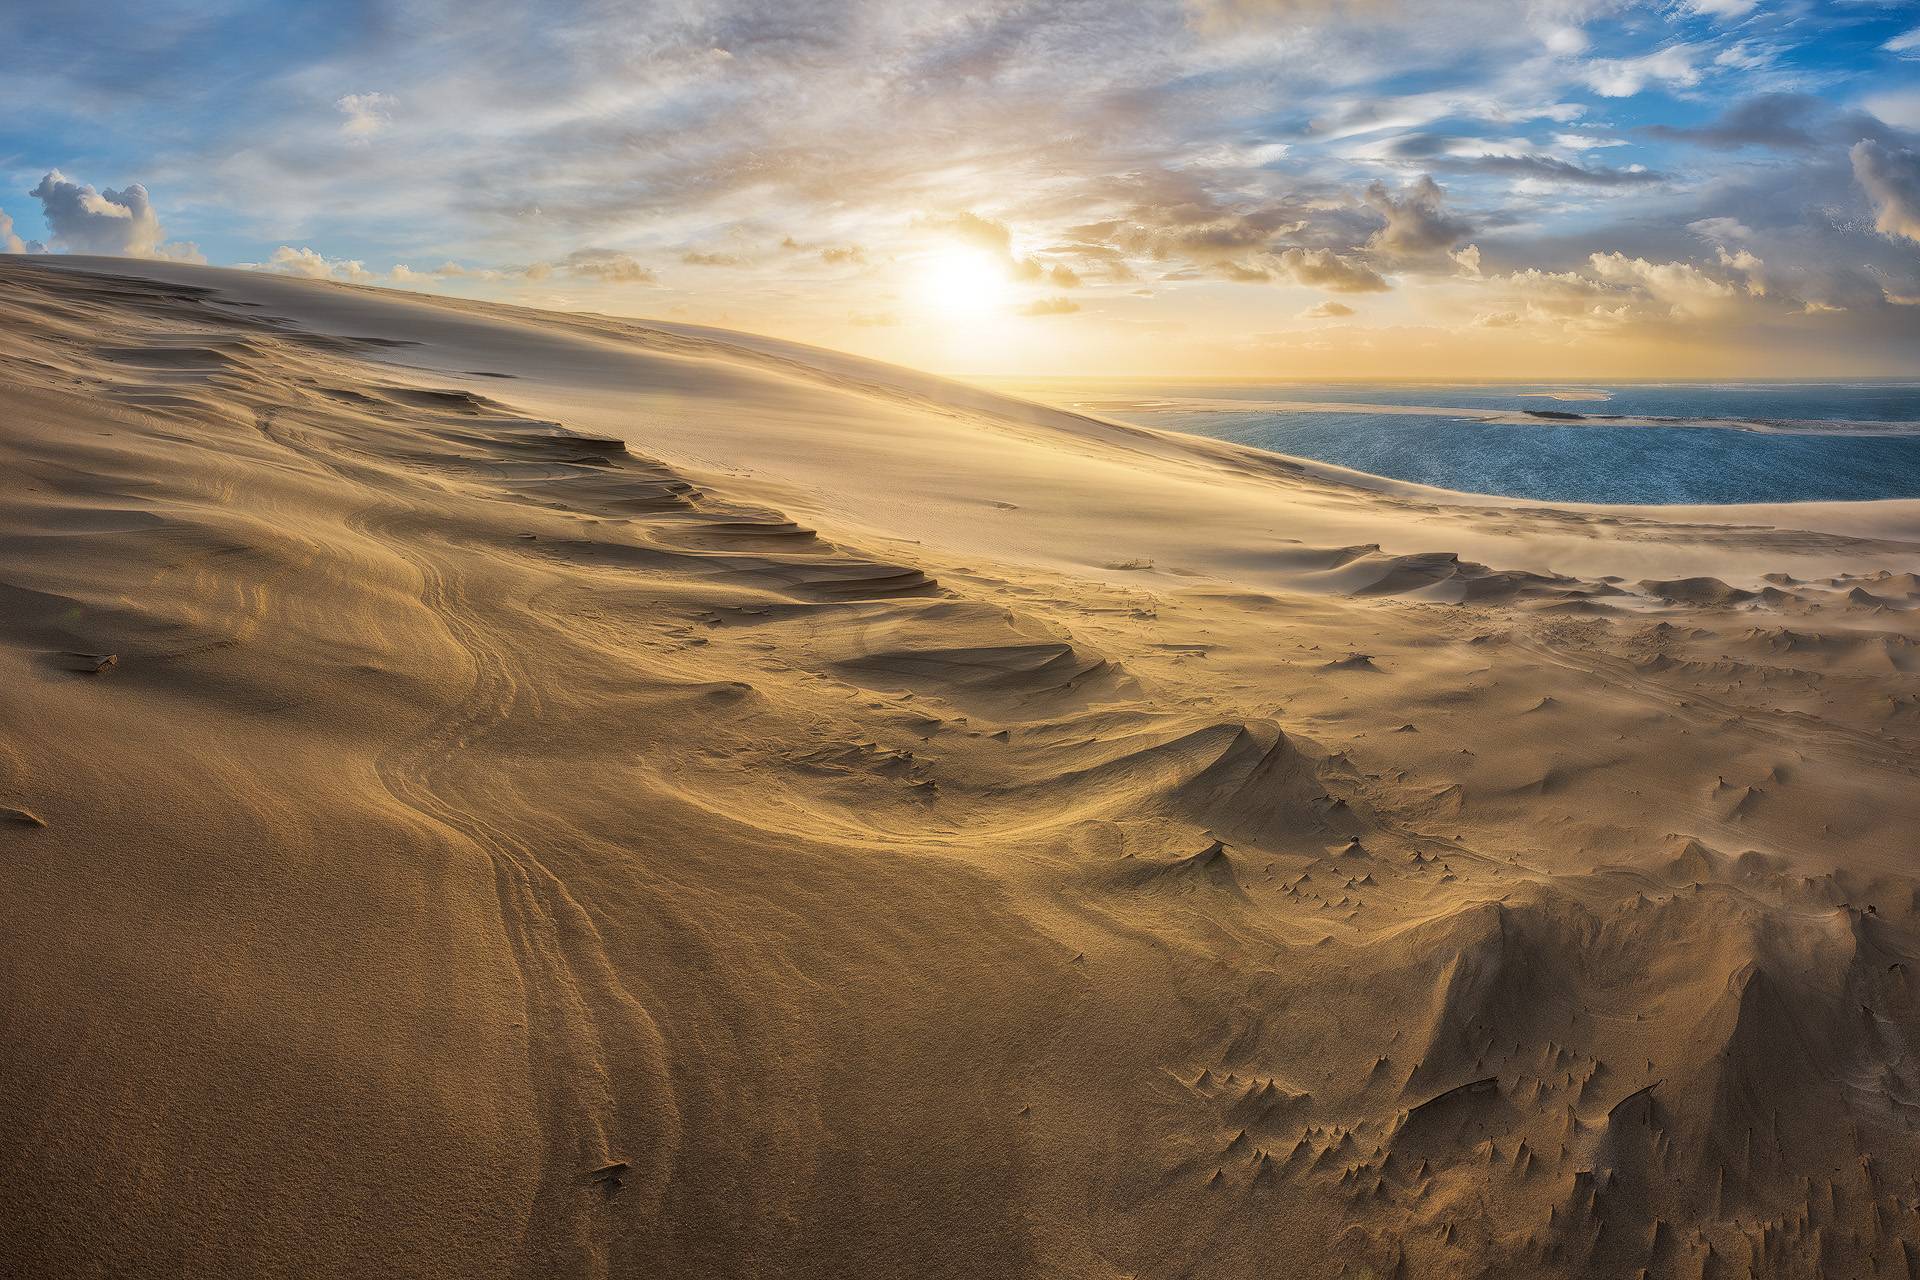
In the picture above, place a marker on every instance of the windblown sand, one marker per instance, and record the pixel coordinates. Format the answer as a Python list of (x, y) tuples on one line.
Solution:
[(486, 792)]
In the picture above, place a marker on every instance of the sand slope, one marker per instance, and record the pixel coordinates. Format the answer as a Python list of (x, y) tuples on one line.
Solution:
[(491, 793)]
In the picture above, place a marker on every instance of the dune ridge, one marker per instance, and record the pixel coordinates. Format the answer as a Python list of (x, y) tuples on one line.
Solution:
[(489, 793)]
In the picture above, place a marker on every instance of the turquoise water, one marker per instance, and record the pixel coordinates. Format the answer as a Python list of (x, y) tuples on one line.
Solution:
[(1694, 454)]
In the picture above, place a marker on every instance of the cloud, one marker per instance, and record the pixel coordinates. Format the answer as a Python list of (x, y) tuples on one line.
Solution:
[(10, 242), (1586, 142), (120, 223), (1680, 285), (1768, 120), (1328, 310), (366, 114), (1549, 169), (1891, 179), (1906, 44), (1563, 299), (1748, 264), (1673, 67), (1720, 229), (607, 265), (1325, 269), (288, 261), (982, 233), (1050, 307), (695, 259), (1417, 224), (1722, 8), (1468, 258)]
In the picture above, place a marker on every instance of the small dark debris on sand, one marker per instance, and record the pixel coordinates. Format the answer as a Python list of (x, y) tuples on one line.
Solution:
[(611, 1176)]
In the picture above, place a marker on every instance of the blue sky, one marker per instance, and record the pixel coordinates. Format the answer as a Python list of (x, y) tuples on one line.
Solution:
[(1522, 186)]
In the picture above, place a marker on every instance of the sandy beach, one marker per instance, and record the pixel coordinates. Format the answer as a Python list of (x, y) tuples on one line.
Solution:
[(494, 792)]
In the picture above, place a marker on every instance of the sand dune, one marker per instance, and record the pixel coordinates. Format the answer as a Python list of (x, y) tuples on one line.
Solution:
[(495, 793)]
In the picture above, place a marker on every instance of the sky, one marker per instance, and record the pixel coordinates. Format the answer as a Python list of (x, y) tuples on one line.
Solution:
[(1214, 188)]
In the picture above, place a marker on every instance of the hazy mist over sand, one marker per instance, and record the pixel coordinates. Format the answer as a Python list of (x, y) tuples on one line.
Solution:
[(590, 761)]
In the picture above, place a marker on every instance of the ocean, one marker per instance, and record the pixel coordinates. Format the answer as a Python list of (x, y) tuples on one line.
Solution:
[(1624, 442)]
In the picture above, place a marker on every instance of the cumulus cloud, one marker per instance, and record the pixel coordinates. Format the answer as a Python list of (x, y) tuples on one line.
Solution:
[(1325, 269), (1747, 263), (1468, 259), (1558, 295), (304, 262), (607, 265), (1891, 178), (1613, 290), (366, 114), (1328, 310), (119, 223), (10, 241), (1417, 223), (1680, 285), (1050, 307)]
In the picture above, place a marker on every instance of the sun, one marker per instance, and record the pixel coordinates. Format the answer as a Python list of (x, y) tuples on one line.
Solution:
[(962, 282)]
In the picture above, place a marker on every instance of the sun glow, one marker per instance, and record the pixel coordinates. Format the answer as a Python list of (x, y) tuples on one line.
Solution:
[(962, 282)]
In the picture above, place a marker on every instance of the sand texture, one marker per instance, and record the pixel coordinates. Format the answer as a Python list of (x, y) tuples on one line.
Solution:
[(493, 793)]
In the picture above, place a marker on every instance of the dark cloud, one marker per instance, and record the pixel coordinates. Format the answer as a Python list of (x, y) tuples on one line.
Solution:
[(1770, 120), (1779, 122), (1417, 223), (1891, 179)]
